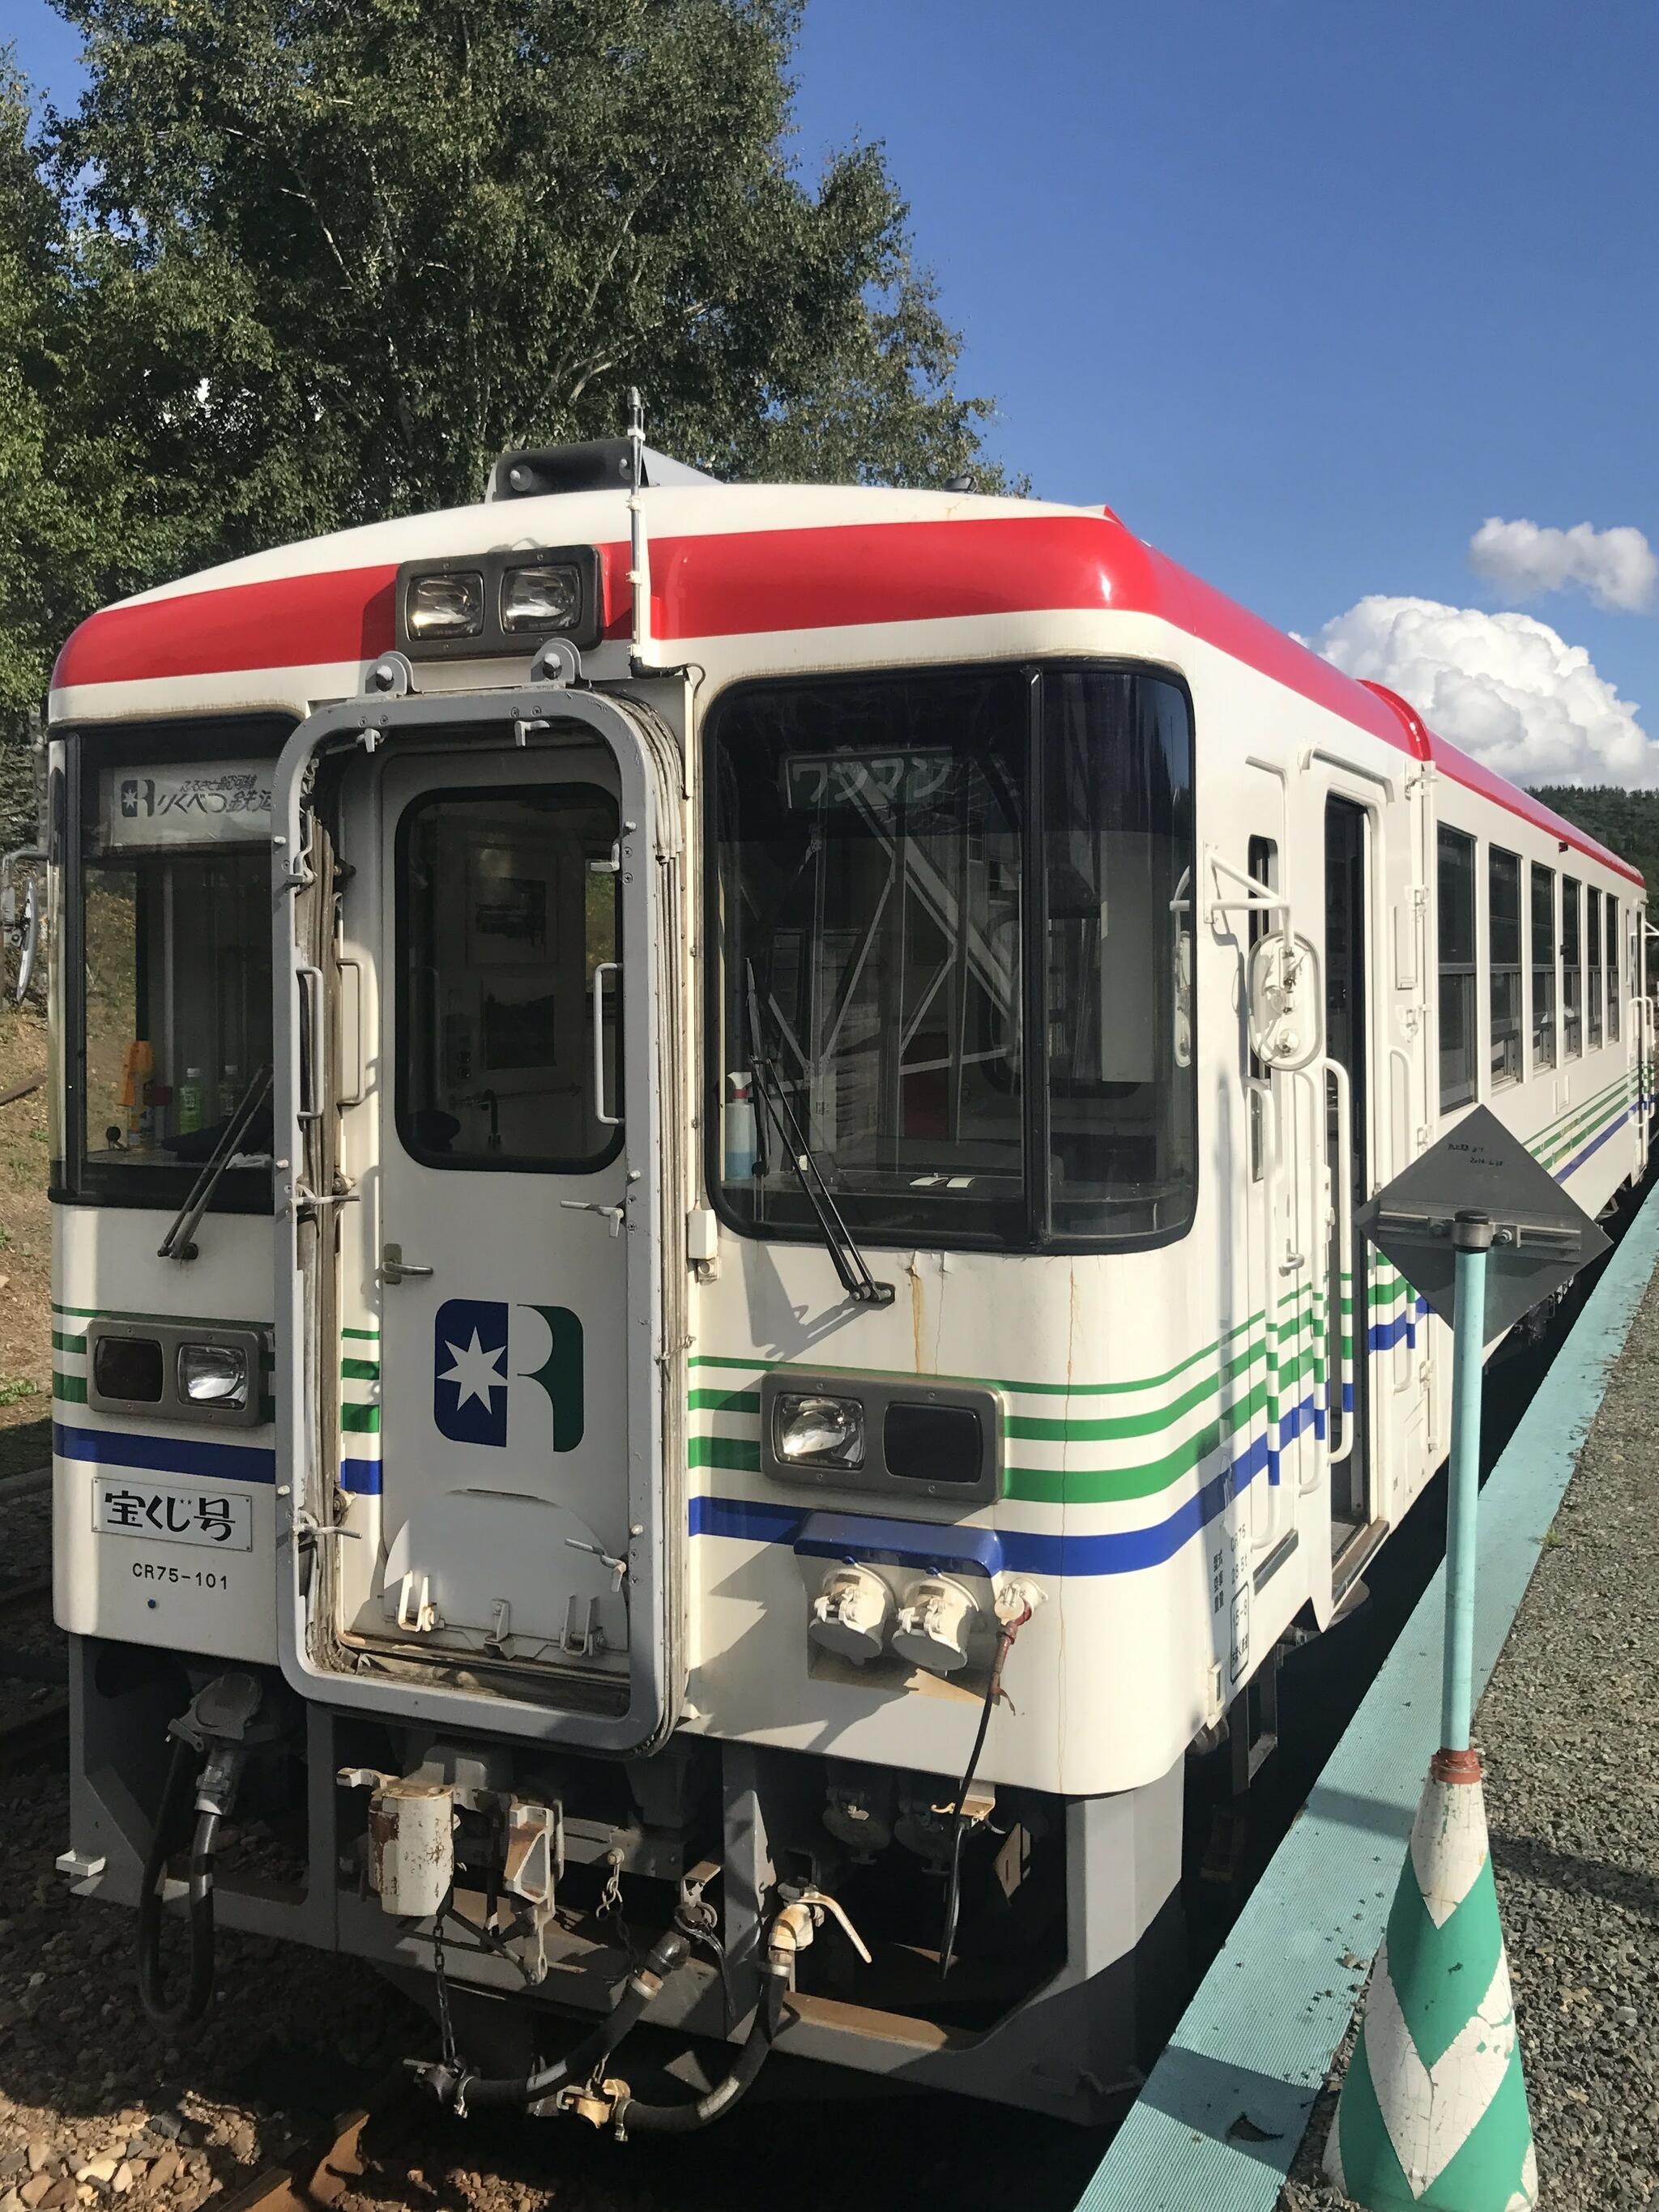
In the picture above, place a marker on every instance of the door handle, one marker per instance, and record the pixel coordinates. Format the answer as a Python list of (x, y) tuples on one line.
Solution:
[(394, 1268), (613, 1214)]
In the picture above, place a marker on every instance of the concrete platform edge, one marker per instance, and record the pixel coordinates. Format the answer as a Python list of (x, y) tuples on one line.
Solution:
[(1221, 2117)]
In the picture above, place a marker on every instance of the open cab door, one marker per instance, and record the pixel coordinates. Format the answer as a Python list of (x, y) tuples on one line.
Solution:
[(477, 918)]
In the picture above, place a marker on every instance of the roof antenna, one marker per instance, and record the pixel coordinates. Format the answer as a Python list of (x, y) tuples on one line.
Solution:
[(639, 573)]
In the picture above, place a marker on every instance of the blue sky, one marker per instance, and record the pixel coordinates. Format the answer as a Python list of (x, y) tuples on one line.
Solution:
[(1307, 290)]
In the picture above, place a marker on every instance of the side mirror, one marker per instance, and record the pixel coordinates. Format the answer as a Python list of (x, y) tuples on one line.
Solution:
[(30, 945), (1285, 1001)]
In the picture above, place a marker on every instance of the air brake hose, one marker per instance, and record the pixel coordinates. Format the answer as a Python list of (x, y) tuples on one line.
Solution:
[(666, 1956), (683, 2119), (171, 1829)]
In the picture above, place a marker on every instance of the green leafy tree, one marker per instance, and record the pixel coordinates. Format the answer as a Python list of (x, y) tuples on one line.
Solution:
[(35, 519), (369, 247), (1626, 822), (88, 509)]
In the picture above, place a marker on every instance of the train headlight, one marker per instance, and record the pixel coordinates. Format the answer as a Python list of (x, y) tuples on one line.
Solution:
[(811, 1431), (450, 606), (542, 596), (212, 1375)]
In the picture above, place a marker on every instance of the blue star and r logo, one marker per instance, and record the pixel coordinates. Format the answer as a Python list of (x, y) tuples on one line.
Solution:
[(472, 1383)]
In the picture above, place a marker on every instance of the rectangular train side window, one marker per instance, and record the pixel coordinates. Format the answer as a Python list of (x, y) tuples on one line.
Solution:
[(1572, 972), (1543, 968), (1503, 963), (1458, 1045), (1614, 978), (1593, 962)]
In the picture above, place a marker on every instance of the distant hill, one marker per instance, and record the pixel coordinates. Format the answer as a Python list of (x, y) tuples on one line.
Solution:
[(1627, 821)]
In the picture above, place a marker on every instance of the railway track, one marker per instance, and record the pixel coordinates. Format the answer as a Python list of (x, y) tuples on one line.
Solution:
[(321, 2168)]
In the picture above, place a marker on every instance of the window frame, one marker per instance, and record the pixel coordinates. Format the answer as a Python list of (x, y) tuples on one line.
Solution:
[(1612, 954), (1595, 970), (1469, 968), (1536, 966), (88, 750), (500, 1163), (1575, 967), (939, 1236), (1517, 968)]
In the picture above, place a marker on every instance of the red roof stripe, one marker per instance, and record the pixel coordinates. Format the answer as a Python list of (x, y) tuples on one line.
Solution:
[(344, 614), (751, 582)]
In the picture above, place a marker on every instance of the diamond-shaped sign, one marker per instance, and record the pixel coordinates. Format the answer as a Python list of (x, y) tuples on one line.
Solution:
[(1540, 1236)]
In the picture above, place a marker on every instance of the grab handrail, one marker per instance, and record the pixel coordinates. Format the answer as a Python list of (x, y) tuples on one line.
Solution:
[(1270, 1163), (1319, 1271), (1343, 1196)]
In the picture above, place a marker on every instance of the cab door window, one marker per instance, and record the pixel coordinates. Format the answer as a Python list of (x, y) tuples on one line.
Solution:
[(508, 948)]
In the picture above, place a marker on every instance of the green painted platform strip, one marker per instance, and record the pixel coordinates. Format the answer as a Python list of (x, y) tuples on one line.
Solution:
[(1259, 2036)]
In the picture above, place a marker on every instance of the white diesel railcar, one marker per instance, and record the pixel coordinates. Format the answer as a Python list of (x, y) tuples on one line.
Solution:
[(705, 1287)]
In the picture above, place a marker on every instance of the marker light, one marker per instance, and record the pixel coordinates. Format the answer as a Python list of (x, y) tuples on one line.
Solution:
[(212, 1375), (540, 598), (446, 606), (129, 1367), (814, 1432)]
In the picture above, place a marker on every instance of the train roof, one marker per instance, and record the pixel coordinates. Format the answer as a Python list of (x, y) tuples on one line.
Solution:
[(728, 561)]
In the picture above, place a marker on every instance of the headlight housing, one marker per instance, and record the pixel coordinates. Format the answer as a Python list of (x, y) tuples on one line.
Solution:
[(810, 1429), (471, 606), (445, 604), (212, 1375), (544, 595)]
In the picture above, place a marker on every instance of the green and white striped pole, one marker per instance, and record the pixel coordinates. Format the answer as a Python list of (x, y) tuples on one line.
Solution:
[(1433, 2110)]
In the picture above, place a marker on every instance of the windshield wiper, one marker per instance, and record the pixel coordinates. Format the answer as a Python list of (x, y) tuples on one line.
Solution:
[(179, 1243), (848, 1261)]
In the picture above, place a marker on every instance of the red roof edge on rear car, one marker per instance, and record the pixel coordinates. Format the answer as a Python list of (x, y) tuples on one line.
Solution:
[(1462, 767)]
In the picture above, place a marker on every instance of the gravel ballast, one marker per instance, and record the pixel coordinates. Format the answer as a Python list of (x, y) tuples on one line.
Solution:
[(1569, 1732)]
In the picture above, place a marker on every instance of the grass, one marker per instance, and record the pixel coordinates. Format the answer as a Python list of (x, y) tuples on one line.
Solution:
[(15, 1387)]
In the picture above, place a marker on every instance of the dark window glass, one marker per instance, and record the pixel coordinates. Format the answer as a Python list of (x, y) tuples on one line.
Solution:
[(1543, 967), (1504, 954), (1593, 961), (871, 840), (1615, 970), (1117, 850), (506, 908), (1572, 972), (1456, 910), (875, 875)]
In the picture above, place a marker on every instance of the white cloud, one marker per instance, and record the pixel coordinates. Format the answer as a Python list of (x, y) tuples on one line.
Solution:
[(1618, 568), (1505, 687)]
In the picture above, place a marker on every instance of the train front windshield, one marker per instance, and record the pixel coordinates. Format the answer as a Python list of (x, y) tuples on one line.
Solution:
[(169, 1003), (955, 919)]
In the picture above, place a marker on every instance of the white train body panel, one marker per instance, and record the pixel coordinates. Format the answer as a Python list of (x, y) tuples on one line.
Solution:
[(1179, 1480)]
